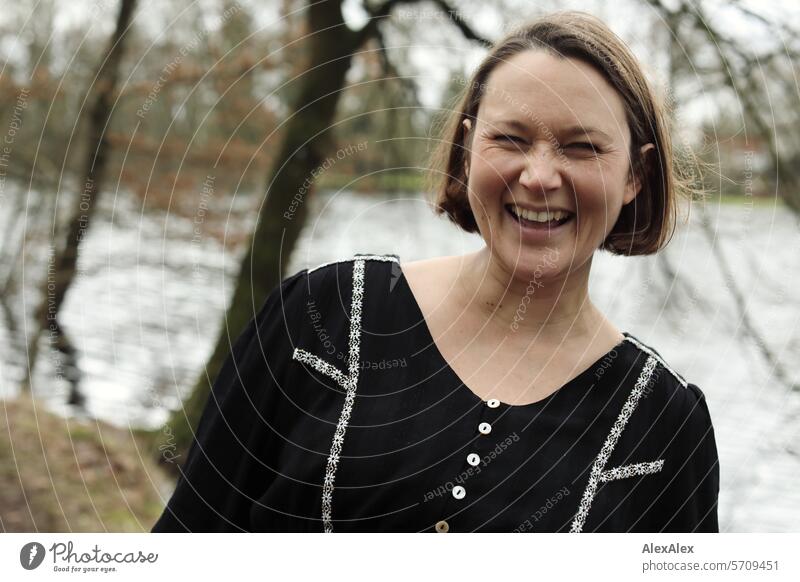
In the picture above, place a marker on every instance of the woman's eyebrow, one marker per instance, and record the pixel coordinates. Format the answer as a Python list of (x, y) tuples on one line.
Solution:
[(571, 131), (576, 130), (513, 123)]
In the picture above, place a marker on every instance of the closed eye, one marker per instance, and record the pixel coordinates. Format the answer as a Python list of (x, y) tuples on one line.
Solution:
[(509, 138), (584, 146)]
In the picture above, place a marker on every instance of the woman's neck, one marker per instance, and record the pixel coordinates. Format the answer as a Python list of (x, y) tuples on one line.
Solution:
[(552, 308)]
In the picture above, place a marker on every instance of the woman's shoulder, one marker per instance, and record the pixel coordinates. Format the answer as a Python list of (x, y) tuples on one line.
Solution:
[(428, 277), (338, 267), (333, 282), (430, 272), (660, 365), (342, 275), (664, 389), (352, 259)]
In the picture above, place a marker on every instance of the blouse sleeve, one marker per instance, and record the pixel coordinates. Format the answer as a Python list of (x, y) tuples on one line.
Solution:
[(688, 500), (225, 472)]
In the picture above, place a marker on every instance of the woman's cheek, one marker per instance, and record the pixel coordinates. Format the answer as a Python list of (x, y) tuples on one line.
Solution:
[(478, 204), (485, 186)]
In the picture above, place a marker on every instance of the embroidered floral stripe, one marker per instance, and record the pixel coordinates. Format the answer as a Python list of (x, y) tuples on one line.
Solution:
[(632, 470), (666, 366), (320, 365), (348, 381), (611, 441), (387, 258)]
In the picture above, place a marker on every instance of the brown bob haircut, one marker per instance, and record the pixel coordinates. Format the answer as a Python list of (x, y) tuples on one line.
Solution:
[(646, 224)]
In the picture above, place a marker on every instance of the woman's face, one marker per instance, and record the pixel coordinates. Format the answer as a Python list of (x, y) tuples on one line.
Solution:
[(550, 137)]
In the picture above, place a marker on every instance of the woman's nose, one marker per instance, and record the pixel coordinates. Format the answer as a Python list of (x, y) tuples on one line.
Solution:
[(542, 171)]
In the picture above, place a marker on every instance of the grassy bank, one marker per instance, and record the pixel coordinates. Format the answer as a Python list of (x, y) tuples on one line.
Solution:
[(62, 475)]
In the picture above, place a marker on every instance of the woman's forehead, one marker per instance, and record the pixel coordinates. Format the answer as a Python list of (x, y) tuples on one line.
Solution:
[(535, 87)]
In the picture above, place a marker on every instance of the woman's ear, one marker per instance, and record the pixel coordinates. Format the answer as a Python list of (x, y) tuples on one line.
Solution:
[(467, 123), (636, 179)]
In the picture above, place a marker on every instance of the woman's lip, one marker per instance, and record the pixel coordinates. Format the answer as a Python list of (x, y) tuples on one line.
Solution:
[(509, 205), (537, 232)]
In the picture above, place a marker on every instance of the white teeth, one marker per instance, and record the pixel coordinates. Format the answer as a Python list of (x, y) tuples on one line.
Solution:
[(538, 216)]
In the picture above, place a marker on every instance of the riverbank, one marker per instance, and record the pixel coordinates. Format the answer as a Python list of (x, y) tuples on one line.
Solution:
[(69, 475)]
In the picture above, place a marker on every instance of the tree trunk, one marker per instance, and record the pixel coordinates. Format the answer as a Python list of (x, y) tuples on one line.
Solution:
[(331, 47), (61, 268)]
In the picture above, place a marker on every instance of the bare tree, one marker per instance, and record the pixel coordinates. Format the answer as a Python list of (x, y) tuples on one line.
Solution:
[(331, 46), (690, 26), (61, 272), (753, 78)]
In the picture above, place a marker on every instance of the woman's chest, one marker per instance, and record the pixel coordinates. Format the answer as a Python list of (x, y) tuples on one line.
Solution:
[(518, 376), (427, 452)]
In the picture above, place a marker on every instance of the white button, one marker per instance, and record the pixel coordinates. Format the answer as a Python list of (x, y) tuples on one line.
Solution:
[(473, 459), (484, 428), (459, 492), (493, 403), (442, 526)]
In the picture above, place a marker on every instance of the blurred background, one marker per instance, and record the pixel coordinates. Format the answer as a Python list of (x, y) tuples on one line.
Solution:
[(164, 165)]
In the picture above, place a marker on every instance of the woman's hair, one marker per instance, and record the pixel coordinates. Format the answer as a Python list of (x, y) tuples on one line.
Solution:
[(646, 224)]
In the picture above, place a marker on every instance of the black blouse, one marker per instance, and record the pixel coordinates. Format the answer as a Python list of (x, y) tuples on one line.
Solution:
[(336, 412)]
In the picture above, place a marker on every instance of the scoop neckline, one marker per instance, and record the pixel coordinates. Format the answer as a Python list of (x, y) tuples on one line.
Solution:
[(470, 392)]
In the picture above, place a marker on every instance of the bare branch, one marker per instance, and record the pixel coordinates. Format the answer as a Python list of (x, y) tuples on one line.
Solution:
[(782, 26), (384, 10), (376, 14), (738, 80), (461, 24), (389, 70)]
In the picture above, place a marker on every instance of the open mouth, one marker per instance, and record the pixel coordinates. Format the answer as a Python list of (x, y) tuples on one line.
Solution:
[(539, 220)]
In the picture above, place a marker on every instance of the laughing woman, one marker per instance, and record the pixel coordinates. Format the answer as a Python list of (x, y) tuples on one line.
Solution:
[(483, 392)]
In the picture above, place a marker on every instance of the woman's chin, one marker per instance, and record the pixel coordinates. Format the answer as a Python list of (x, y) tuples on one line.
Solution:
[(536, 264)]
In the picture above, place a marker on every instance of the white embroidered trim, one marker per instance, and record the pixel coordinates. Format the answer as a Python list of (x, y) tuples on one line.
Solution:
[(320, 365), (610, 443), (632, 470), (650, 352), (347, 381), (386, 258), (365, 257), (312, 269)]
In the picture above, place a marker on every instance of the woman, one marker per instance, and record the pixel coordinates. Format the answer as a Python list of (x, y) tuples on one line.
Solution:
[(483, 392)]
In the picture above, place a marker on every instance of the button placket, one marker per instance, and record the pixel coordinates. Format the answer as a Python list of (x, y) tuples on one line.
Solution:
[(484, 426)]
